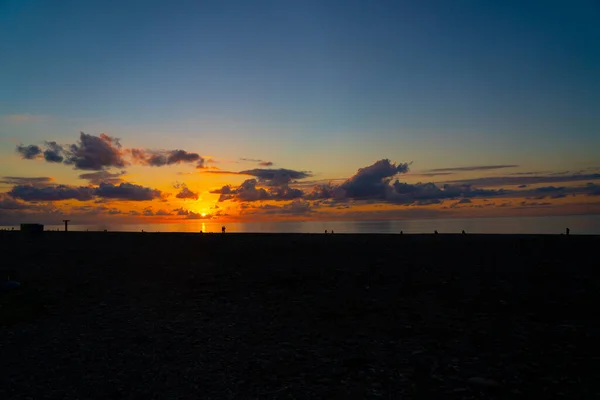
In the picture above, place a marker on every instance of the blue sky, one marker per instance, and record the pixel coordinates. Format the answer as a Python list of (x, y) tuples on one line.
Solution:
[(326, 86)]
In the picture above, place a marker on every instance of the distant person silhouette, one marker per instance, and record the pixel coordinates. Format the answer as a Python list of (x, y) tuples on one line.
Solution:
[(223, 229), (568, 231), (325, 230), (435, 232), (402, 233), (332, 231), (463, 232)]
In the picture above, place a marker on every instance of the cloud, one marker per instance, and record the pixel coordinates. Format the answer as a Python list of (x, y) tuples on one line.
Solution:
[(430, 174), (191, 215), (95, 153), (526, 180), (296, 207), (51, 193), (29, 152), (159, 158), (247, 191), (53, 152), (371, 182), (96, 178), (275, 177), (326, 191), (20, 180), (126, 191), (10, 203), (162, 212), (262, 163), (185, 192), (472, 168), (405, 193)]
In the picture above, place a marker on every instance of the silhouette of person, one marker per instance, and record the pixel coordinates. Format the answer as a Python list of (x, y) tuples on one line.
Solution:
[(568, 230), (402, 233), (463, 232), (332, 231), (223, 229), (435, 232), (325, 230)]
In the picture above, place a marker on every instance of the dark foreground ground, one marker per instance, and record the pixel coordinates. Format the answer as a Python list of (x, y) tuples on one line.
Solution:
[(240, 316)]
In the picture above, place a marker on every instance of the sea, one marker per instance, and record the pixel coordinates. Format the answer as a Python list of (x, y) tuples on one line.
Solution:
[(578, 224)]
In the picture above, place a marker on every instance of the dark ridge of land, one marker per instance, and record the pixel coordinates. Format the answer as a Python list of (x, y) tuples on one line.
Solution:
[(299, 316)]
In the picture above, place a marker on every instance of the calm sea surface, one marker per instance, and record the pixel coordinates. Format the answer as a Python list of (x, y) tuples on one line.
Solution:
[(579, 224)]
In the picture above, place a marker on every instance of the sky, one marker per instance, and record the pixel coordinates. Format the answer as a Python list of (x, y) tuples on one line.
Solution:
[(174, 111)]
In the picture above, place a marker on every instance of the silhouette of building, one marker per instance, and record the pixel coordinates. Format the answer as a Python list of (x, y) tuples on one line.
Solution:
[(32, 229)]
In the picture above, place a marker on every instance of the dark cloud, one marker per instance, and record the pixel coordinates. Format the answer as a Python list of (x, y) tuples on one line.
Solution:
[(52, 193), (185, 192), (10, 203), (430, 174), (159, 158), (296, 207), (247, 191), (275, 177), (29, 152), (53, 152), (126, 191), (96, 178), (372, 181), (473, 168), (405, 193), (163, 212), (326, 191), (285, 193), (262, 163), (20, 180), (557, 192), (95, 153), (426, 202), (527, 180), (522, 186)]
